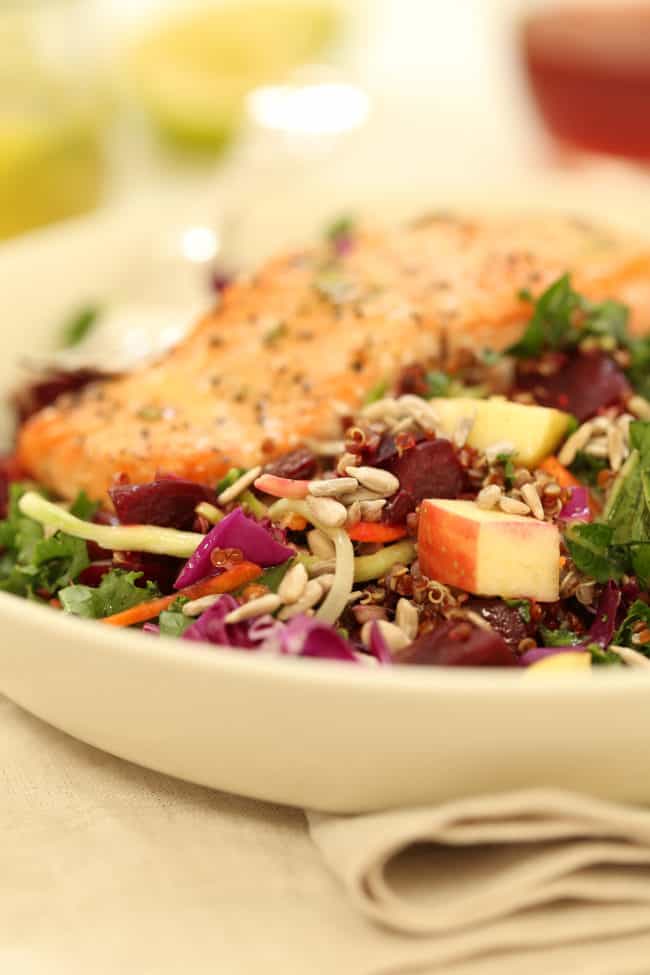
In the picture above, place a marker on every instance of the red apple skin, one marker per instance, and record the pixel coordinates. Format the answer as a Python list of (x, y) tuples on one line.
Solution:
[(447, 545)]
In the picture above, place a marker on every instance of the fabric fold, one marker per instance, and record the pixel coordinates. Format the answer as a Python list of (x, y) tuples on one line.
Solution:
[(500, 873)]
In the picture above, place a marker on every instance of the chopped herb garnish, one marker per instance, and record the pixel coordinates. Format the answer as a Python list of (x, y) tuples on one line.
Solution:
[(593, 553), (79, 325), (634, 631), (274, 333), (149, 413), (340, 229), (172, 621), (558, 638), (82, 507), (508, 468), (30, 563), (377, 392), (271, 578), (562, 318), (522, 606), (438, 384), (603, 658)]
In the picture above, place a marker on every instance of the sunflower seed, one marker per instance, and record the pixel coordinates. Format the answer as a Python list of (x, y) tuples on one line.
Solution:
[(407, 618), (326, 581), (375, 479), (332, 487), (631, 657), (361, 494), (312, 594), (354, 513), (319, 544), (326, 448), (327, 511), (396, 639), (421, 411), (321, 568), (615, 448), (371, 510), (513, 507), (639, 406), (597, 448), (382, 409), (463, 430), (197, 606), (294, 583), (344, 461), (239, 485), (256, 607), (488, 497), (533, 500), (576, 442)]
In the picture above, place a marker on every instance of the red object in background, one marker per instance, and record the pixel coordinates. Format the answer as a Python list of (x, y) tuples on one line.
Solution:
[(589, 68)]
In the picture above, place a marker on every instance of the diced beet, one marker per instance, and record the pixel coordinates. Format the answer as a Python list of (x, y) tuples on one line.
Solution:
[(398, 507), (430, 469), (413, 380), (92, 575), (167, 501), (506, 620), (586, 383), (161, 569), (459, 644), (298, 464), (49, 386)]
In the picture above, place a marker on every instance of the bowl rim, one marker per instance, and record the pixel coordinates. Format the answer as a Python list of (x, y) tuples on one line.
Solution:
[(213, 659)]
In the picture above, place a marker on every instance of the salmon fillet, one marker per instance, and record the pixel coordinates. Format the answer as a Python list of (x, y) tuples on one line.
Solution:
[(265, 369)]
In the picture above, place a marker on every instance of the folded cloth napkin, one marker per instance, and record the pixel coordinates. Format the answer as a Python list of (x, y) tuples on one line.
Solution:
[(502, 880)]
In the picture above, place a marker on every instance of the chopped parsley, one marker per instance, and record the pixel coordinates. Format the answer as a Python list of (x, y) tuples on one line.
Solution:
[(79, 325), (31, 564), (172, 621), (117, 591)]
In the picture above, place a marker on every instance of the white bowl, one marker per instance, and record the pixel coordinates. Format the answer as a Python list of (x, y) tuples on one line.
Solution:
[(317, 734)]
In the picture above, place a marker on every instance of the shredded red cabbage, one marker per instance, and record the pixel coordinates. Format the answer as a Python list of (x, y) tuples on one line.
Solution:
[(603, 628), (302, 636), (540, 653), (253, 538), (577, 506)]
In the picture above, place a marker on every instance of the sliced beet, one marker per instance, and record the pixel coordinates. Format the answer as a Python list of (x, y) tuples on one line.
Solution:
[(167, 501), (161, 569), (429, 469), (299, 463), (459, 644), (506, 620), (586, 383)]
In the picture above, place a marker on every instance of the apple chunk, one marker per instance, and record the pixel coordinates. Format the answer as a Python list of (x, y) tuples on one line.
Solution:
[(489, 553), (534, 431)]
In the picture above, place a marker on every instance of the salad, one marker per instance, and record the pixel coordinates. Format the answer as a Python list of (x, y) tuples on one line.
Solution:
[(491, 511)]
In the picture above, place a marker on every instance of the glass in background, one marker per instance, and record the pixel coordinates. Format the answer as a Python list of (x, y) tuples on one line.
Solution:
[(588, 66), (52, 115)]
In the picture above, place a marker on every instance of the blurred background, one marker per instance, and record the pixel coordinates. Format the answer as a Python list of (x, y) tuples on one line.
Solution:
[(102, 101)]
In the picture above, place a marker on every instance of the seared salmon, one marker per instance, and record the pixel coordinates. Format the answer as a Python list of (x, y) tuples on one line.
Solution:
[(317, 328)]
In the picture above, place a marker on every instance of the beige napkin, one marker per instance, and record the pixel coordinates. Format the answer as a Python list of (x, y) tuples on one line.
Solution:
[(499, 880)]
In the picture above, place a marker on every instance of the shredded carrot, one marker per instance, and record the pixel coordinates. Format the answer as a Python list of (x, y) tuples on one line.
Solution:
[(375, 531), (295, 523), (56, 603), (559, 472), (238, 575)]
